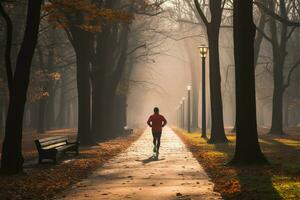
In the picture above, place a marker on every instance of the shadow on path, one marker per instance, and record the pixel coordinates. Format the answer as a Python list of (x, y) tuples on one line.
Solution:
[(150, 159)]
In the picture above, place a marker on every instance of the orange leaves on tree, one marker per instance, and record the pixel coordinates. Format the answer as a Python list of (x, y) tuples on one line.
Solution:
[(55, 76), (39, 78), (84, 14)]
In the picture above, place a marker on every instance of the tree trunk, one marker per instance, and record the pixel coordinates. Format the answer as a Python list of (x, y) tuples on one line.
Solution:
[(50, 86), (257, 44), (277, 112), (82, 45), (195, 105), (217, 124), (259, 36), (286, 121), (107, 71), (120, 114), (279, 43), (42, 102), (41, 118), (103, 109), (50, 117), (247, 150), (213, 30), (278, 92), (69, 115), (12, 159), (101, 81), (61, 118), (1, 116), (195, 88), (33, 115)]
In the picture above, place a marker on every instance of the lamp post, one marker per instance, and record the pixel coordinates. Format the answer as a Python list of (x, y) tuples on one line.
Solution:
[(189, 108), (183, 113), (180, 115), (203, 53)]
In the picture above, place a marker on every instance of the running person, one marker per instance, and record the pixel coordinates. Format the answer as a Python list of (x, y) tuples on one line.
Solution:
[(156, 122)]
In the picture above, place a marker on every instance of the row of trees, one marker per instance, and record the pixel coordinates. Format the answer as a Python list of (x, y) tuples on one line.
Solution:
[(51, 72), (98, 33), (277, 18), (273, 24), (100, 38)]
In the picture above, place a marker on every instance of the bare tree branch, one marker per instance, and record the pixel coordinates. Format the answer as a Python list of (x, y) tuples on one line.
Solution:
[(276, 16), (293, 68), (265, 35), (201, 13)]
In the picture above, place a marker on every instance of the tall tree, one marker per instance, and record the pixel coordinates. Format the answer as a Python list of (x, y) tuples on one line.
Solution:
[(213, 30), (85, 22), (82, 43), (279, 45), (281, 29), (12, 159), (247, 150)]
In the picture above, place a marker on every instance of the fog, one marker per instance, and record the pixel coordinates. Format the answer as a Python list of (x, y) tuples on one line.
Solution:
[(162, 60), (165, 78)]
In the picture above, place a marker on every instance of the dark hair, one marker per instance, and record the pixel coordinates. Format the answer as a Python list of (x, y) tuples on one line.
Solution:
[(156, 110)]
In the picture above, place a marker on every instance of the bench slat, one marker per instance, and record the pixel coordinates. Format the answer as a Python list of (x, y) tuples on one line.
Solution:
[(54, 146), (50, 138), (64, 147), (44, 144)]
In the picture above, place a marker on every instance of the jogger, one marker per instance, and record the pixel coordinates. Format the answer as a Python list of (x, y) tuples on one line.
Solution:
[(156, 122)]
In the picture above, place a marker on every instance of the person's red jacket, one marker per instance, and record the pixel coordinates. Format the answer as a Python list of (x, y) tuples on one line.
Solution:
[(157, 121)]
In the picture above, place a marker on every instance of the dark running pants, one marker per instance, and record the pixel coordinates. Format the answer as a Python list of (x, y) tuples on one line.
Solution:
[(156, 139)]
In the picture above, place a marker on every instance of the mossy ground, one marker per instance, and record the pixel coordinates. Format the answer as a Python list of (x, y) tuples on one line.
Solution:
[(279, 180)]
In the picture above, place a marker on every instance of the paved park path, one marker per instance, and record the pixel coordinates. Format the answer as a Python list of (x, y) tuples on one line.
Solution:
[(133, 175)]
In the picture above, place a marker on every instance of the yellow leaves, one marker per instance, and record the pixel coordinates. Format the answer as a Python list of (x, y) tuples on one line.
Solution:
[(55, 76), (277, 181), (36, 93), (39, 79), (89, 28), (215, 154), (120, 15), (83, 14), (45, 94)]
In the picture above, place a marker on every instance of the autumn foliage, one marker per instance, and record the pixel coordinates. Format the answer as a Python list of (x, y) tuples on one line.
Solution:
[(84, 14), (38, 79)]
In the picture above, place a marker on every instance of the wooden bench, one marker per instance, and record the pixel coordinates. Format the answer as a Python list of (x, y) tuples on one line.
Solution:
[(50, 147)]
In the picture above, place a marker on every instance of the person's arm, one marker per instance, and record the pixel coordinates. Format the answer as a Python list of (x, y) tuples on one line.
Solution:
[(149, 121), (164, 121)]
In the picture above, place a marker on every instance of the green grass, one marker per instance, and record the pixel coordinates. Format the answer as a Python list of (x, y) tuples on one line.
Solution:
[(279, 180)]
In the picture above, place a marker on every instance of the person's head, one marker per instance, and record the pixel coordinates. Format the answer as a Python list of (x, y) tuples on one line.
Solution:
[(156, 110)]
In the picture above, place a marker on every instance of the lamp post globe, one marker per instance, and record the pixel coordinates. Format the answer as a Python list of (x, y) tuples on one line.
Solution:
[(203, 50)]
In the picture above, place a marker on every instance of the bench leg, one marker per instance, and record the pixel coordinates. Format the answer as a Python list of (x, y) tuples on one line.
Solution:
[(55, 160)]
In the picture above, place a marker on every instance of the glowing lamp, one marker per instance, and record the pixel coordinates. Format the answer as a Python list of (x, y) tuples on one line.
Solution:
[(203, 50)]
